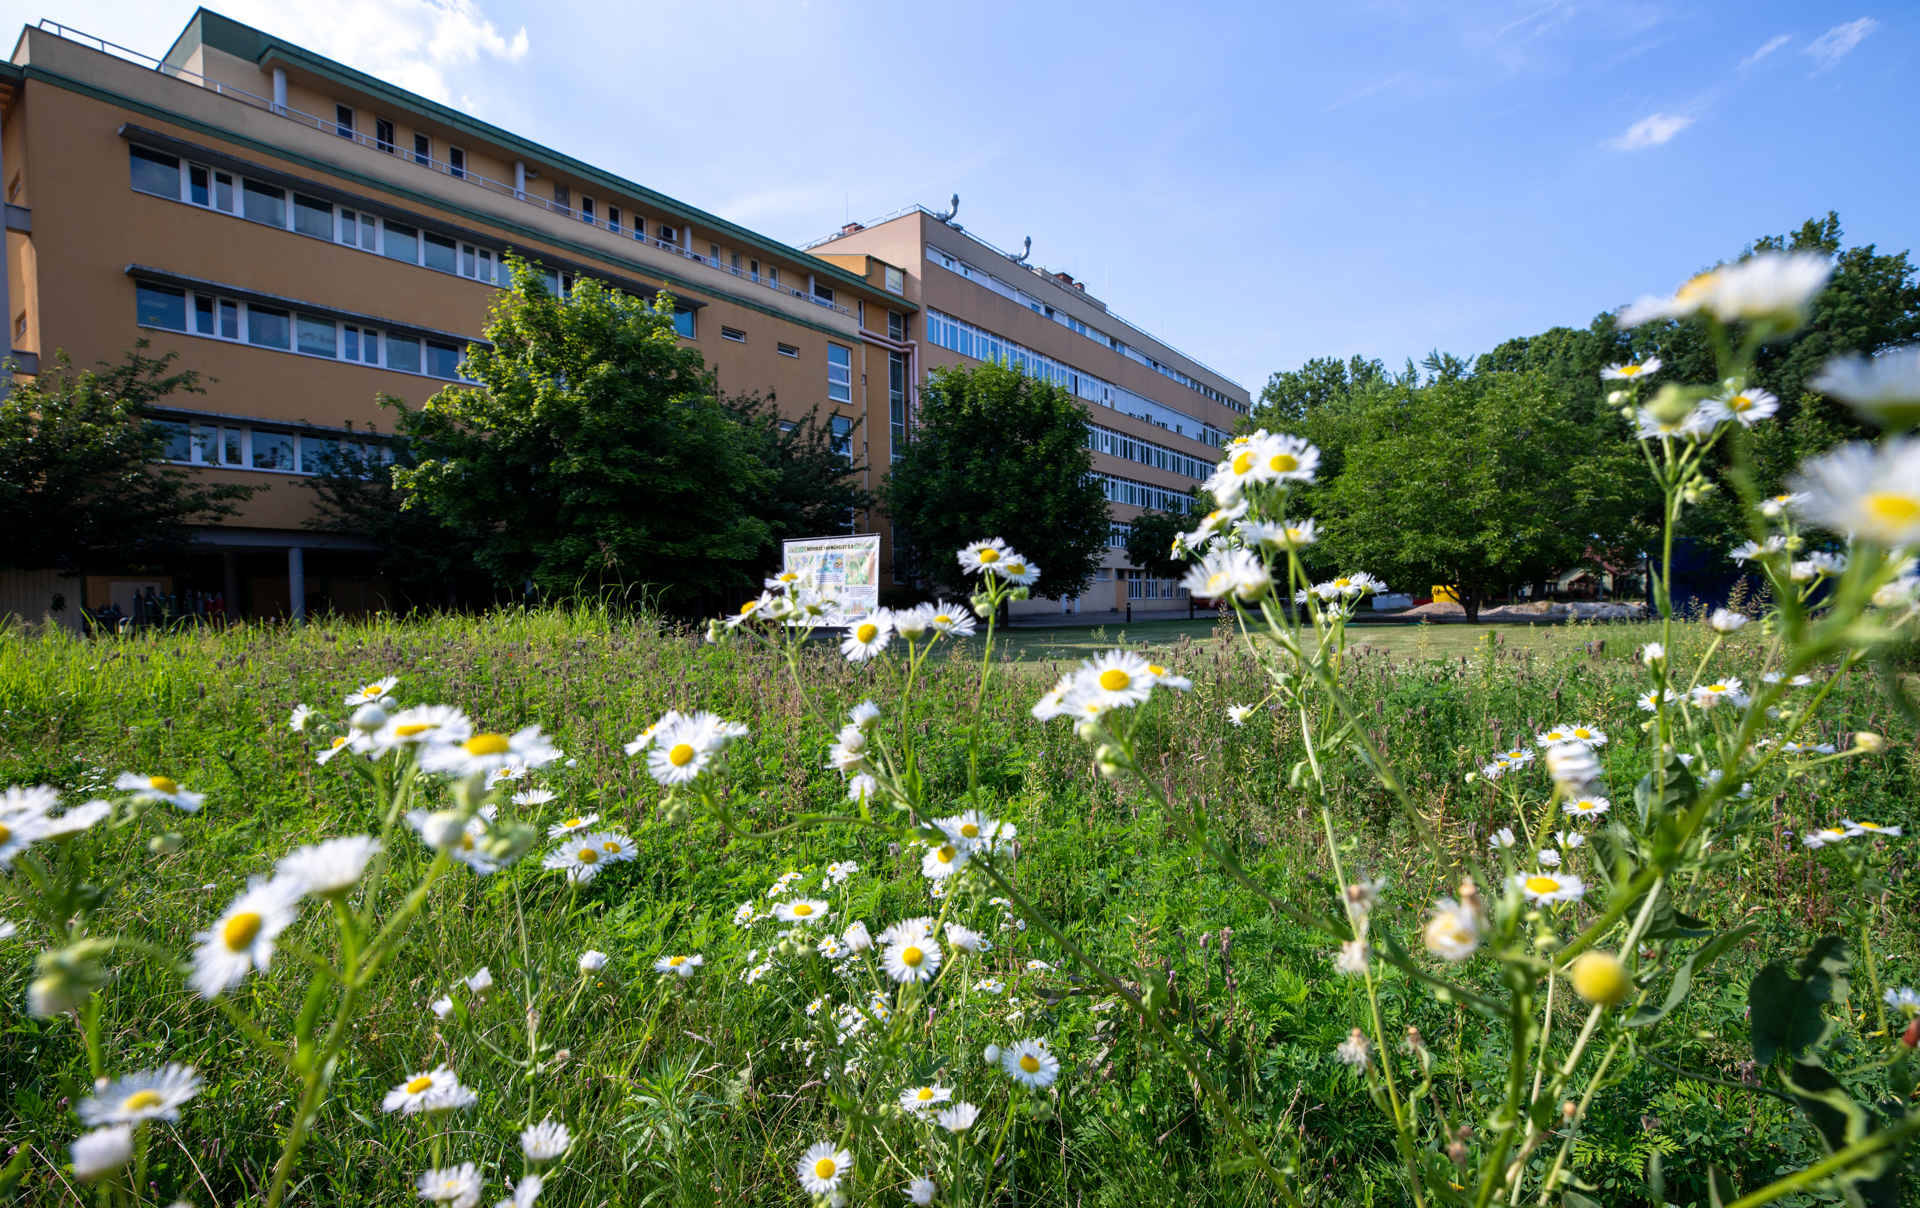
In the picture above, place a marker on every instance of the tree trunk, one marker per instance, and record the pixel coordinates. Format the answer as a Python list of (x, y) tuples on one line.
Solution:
[(1470, 600)]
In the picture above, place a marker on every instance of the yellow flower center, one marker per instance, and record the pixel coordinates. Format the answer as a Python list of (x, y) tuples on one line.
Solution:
[(1739, 402), (5, 834), (825, 1168), (1156, 669), (1892, 507), (911, 957), (866, 633), (1029, 1063), (466, 841), (676, 961), (611, 847), (589, 856), (140, 1101), (1542, 884), (409, 731), (681, 755), (163, 784), (1583, 733), (788, 577), (925, 1094), (1694, 289), (1243, 462), (1343, 582), (1016, 568), (969, 830), (943, 619), (989, 555), (1218, 583), (573, 822), (946, 854), (802, 910), (419, 1084), (487, 744), (1114, 679), (1283, 463), (338, 743), (748, 607), (240, 930)]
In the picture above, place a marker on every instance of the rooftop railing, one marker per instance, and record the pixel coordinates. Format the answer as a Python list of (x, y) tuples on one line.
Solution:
[(452, 171)]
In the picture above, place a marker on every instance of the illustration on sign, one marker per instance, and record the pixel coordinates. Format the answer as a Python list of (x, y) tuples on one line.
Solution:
[(848, 566)]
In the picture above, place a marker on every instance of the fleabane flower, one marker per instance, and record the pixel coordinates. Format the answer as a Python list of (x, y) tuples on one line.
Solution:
[(966, 939), (1117, 679), (822, 1167), (867, 638), (137, 1098), (975, 831), (1224, 573), (1748, 407), (592, 961), (545, 1141), (802, 910), (1238, 714), (958, 1118), (1031, 1064), (243, 938), (924, 1098), (23, 819), (1822, 836), (568, 826), (956, 620), (457, 1186), (1903, 999), (1279, 535), (78, 820), (1572, 765), (1720, 692), (1884, 388), (983, 555), (159, 788), (1544, 887), (943, 861), (912, 624), (1501, 839), (1691, 426), (1653, 698), (415, 1094), (297, 720), (1725, 620), (1213, 522), (1017, 569), (912, 957), (1586, 807), (102, 1151), (1775, 286), (332, 868), (1054, 701), (583, 857), (376, 693), (1630, 371), (681, 966), (644, 739), (483, 753), (421, 726), (922, 1191), (1856, 829), (1453, 932), (681, 751), (1866, 491)]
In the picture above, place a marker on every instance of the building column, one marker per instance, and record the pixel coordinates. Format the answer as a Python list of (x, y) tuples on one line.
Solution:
[(520, 179), (296, 585), (280, 90), (230, 587)]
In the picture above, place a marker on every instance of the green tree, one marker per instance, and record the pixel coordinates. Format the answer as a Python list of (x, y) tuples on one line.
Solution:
[(82, 482), (418, 550), (999, 454), (593, 451), (812, 487), (1150, 542), (1476, 482)]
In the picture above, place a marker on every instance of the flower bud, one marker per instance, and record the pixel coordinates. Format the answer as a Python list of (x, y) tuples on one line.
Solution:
[(1868, 743), (68, 976), (1600, 978), (1088, 731), (1616, 397), (992, 1055), (167, 844), (443, 828), (1671, 405), (369, 718)]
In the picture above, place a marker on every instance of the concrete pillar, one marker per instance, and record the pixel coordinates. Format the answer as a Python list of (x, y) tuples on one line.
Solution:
[(230, 587), (296, 585), (279, 90), (520, 179)]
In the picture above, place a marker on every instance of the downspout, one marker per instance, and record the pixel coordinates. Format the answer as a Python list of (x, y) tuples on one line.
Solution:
[(912, 349)]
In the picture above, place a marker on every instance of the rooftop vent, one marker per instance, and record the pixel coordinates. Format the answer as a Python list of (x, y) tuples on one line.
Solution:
[(852, 228)]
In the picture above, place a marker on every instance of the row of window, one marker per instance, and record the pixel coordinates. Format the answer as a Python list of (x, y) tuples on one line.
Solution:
[(1117, 535), (958, 335), (222, 318), (168, 176), (1022, 298), (1142, 586), (1143, 494), (1128, 448), (244, 446)]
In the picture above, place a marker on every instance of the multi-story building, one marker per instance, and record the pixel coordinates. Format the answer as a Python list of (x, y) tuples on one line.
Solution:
[(1159, 416), (309, 237)]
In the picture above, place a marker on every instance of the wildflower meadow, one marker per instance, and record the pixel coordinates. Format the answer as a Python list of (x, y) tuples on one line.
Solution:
[(583, 907)]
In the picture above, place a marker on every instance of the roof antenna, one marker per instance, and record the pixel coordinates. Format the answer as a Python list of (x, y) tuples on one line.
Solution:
[(1022, 257), (948, 216)]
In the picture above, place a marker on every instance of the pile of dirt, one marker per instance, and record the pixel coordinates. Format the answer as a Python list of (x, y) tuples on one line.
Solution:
[(1545, 611)]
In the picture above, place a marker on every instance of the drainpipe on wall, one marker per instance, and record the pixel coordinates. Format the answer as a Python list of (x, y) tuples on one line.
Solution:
[(912, 349), (280, 91)]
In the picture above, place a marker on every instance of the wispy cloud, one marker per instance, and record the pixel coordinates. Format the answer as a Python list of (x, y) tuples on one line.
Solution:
[(1829, 48), (1650, 131), (1774, 43), (409, 42), (1371, 89)]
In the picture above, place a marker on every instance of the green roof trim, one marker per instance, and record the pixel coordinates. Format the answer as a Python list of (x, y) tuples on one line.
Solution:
[(208, 28)]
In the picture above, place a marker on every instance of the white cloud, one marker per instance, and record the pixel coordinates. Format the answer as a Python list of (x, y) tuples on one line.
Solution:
[(1650, 131), (1773, 44), (410, 43), (1829, 48)]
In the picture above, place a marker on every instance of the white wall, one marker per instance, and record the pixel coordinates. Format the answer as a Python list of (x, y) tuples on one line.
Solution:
[(28, 595)]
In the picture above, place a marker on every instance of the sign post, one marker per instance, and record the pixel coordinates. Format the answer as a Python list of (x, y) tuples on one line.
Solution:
[(848, 565)]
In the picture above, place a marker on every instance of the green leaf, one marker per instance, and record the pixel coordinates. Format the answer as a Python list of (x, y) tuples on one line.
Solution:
[(1656, 802), (1696, 963), (1787, 1008), (1668, 923), (1842, 1122), (1574, 1199)]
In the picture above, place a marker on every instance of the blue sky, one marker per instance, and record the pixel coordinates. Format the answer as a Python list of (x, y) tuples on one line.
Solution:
[(1254, 183)]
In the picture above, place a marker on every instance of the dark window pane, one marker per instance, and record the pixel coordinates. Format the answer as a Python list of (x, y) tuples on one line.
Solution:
[(402, 243), (269, 328), (272, 450), (158, 306), (443, 360), (440, 253), (314, 217), (316, 336), (176, 443), (197, 186), (156, 173), (203, 315), (683, 323), (403, 353), (264, 203)]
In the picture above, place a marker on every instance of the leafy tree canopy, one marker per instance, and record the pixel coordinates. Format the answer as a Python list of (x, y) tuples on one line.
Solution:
[(1150, 542), (356, 495), (592, 452), (999, 454), (82, 485), (812, 487)]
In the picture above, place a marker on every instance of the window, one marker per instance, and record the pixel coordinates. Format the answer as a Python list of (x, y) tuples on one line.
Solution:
[(443, 360), (669, 235), (897, 402), (264, 204), (440, 253), (314, 217), (839, 373), (316, 336), (754, 269), (20, 326), (223, 192), (269, 328), (562, 197), (714, 256), (734, 262), (896, 280), (841, 429), (273, 450), (403, 353), (613, 219), (402, 243), (197, 186), (227, 448), (383, 134), (823, 292), (683, 323), (159, 306), (156, 173), (896, 326), (229, 320), (343, 121), (176, 440), (734, 334), (422, 149), (773, 273), (787, 350), (361, 344), (456, 162)]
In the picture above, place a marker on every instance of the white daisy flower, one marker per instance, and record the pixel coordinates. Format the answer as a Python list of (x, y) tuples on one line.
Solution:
[(802, 910), (861, 787), (1857, 829), (988, 985), (592, 961), (1690, 426), (832, 948), (423, 725), (137, 1098), (160, 788), (1720, 692), (1748, 406), (332, 868), (1866, 491), (441, 1007), (1543, 887), (975, 831), (757, 972), (923, 1098), (1453, 932), (955, 620), (1725, 620), (681, 967), (297, 720), (744, 914), (912, 958), (958, 1118), (1053, 702), (856, 938), (1585, 807), (375, 693), (822, 1167), (839, 871), (545, 1141), (482, 753), (580, 858), (981, 555), (966, 939), (1572, 765), (1213, 522), (911, 624), (1653, 698), (1117, 679), (1753, 551), (1777, 286), (1820, 837), (417, 1093), (867, 638), (616, 847), (1238, 714), (1223, 573), (681, 751), (1502, 838), (1352, 960), (645, 738), (243, 938), (506, 775), (943, 861), (102, 1151), (922, 1191), (458, 1186), (579, 822), (1652, 652), (1570, 839), (1548, 858), (1884, 388), (865, 715), (1903, 999), (1630, 372), (1038, 967)]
